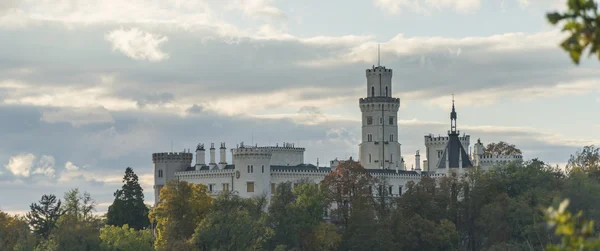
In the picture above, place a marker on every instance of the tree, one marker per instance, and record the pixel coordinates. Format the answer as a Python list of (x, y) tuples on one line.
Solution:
[(128, 206), (124, 238), (233, 223), (586, 160), (501, 148), (583, 23), (181, 207), (44, 216), (77, 228), (15, 234)]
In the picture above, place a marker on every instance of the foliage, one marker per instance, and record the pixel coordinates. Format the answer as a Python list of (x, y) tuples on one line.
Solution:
[(582, 22), (124, 238), (182, 206), (15, 234), (128, 206), (576, 233), (77, 228), (233, 223), (44, 216), (501, 148), (586, 160)]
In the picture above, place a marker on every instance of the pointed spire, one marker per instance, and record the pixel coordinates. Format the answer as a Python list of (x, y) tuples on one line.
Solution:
[(453, 114)]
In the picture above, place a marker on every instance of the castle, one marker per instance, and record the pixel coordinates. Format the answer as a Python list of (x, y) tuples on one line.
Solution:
[(255, 170)]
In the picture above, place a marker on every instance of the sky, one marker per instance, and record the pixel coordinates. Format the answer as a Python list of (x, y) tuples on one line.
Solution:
[(88, 88)]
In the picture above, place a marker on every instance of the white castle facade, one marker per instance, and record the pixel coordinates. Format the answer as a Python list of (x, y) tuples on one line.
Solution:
[(256, 170)]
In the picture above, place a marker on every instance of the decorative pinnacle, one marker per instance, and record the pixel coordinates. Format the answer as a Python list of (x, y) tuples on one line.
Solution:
[(378, 56)]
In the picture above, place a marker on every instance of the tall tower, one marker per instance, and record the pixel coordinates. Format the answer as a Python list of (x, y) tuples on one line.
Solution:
[(379, 148)]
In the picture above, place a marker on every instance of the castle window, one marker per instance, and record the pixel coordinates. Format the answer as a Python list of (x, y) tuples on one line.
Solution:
[(391, 120), (381, 191), (210, 187), (250, 187), (369, 120), (369, 137), (263, 168), (369, 158), (391, 137), (160, 173), (272, 187), (381, 121), (391, 157), (225, 186), (372, 91), (248, 168), (386, 91), (399, 190), (390, 190), (440, 153), (252, 168)]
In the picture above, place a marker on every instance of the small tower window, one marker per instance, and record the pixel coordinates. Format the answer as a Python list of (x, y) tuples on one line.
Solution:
[(372, 91), (263, 168), (252, 168), (369, 120), (369, 137), (369, 158), (440, 153), (391, 120), (399, 190), (390, 190), (381, 121), (160, 173), (391, 137), (386, 91)]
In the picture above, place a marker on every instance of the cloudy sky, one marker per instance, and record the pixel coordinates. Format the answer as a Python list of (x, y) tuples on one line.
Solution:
[(88, 88)]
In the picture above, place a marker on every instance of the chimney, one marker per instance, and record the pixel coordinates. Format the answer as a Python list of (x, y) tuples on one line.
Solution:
[(418, 161), (212, 155), (222, 156), (200, 155)]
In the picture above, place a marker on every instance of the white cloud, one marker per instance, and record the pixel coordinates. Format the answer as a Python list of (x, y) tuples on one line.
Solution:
[(138, 44), (22, 165), (258, 8), (427, 6)]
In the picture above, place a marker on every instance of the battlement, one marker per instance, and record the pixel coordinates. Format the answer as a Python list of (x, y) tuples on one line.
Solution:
[(430, 139), (378, 70), (379, 99), (286, 147), (254, 152), (172, 157), (200, 147), (501, 157)]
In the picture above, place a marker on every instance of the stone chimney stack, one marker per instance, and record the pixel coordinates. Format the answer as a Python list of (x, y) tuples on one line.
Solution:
[(212, 155), (222, 156), (417, 161), (200, 155)]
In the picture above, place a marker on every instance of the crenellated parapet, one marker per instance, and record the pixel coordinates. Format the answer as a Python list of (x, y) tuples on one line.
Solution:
[(251, 153), (443, 140), (379, 70), (172, 157), (379, 103)]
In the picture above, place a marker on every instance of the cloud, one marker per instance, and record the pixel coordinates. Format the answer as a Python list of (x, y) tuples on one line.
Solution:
[(77, 116), (427, 6), (258, 9), (138, 44), (22, 165)]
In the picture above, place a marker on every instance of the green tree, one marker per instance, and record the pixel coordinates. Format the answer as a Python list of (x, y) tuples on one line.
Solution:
[(582, 22), (181, 207), (77, 229), (128, 206), (234, 223), (124, 238), (43, 216), (586, 160), (15, 234), (501, 148)]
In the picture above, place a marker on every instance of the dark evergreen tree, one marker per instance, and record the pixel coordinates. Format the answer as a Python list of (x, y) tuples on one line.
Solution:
[(44, 216), (128, 206)]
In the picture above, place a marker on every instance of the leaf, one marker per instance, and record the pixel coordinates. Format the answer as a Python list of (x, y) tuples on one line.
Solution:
[(554, 18)]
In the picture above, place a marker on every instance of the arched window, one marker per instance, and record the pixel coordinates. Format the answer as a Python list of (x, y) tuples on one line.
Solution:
[(369, 158), (263, 168), (372, 91), (248, 168), (252, 168), (386, 91)]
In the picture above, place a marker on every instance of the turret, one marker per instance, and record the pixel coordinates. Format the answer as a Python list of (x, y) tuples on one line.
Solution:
[(212, 155), (222, 156), (478, 153), (200, 155)]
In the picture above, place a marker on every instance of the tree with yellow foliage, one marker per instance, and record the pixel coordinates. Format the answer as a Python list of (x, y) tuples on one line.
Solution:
[(181, 207)]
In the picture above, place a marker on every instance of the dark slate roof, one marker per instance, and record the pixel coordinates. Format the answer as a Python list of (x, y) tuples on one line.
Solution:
[(392, 171), (453, 149), (300, 168), (206, 168)]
